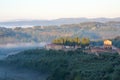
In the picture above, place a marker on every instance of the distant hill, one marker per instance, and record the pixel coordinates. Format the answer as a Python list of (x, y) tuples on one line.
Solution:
[(56, 21), (92, 30)]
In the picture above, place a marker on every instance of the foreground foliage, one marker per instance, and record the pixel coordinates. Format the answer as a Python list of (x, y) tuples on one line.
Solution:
[(71, 65)]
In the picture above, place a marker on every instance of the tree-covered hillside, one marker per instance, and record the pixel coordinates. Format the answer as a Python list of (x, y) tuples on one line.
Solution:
[(116, 42), (71, 65), (92, 30)]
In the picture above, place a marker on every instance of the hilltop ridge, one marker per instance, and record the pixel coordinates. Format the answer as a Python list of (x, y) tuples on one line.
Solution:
[(92, 30), (59, 21)]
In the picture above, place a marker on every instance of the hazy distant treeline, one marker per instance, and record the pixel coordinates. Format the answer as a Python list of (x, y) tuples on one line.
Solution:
[(91, 30)]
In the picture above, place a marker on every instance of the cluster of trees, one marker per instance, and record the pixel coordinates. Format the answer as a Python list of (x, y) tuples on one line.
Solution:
[(116, 42), (71, 41), (71, 65)]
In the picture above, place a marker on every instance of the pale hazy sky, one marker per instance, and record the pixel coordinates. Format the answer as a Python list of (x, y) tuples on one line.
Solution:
[(53, 9)]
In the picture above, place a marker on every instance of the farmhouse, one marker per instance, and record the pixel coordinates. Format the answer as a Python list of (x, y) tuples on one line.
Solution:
[(106, 48), (61, 47), (107, 44)]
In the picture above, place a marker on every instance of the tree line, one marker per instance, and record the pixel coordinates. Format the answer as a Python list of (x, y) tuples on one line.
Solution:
[(72, 41)]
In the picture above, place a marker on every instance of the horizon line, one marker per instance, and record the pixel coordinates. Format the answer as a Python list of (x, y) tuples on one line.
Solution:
[(58, 19)]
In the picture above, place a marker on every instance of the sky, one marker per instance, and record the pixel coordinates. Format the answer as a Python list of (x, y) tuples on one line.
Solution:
[(53, 9)]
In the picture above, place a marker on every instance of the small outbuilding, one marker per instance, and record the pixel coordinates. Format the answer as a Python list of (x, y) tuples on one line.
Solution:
[(53, 47)]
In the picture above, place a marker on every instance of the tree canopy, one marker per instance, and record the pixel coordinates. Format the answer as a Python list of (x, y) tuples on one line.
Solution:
[(71, 41)]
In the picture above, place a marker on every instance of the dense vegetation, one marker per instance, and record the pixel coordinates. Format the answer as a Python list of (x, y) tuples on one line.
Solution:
[(116, 42), (72, 41), (92, 30), (71, 65)]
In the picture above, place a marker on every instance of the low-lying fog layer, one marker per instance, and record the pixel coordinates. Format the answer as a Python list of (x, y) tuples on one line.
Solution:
[(9, 49), (8, 73), (11, 73)]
